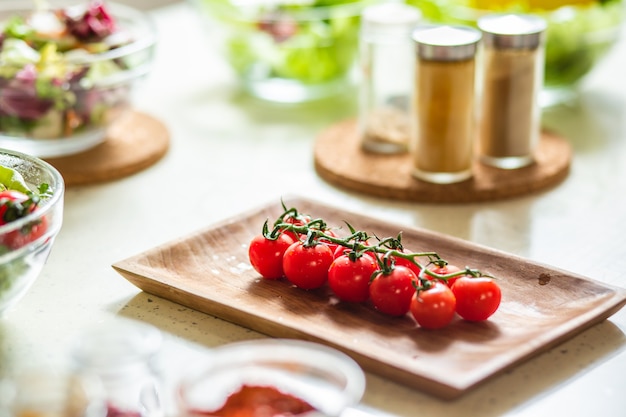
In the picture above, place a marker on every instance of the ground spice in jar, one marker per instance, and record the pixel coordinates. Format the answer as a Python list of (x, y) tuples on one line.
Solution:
[(443, 145), (509, 123)]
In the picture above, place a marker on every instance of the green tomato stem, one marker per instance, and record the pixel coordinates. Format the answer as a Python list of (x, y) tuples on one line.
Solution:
[(390, 247)]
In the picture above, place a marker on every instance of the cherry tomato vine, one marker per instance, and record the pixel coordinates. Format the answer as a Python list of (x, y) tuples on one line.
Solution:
[(361, 267)]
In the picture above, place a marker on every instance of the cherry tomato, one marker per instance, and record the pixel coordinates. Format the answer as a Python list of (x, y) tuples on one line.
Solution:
[(299, 220), (13, 206), (340, 251), (343, 250), (409, 264), (445, 270), (402, 261), (332, 246), (26, 234), (350, 279), (266, 255), (10, 208), (434, 308), (307, 266), (476, 298), (391, 292)]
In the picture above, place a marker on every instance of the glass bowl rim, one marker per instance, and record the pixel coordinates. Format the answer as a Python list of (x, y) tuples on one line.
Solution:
[(313, 354), (117, 10), (248, 12)]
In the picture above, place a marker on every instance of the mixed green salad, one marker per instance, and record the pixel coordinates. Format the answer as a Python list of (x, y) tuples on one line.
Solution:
[(312, 41), (17, 200), (579, 31), (49, 81)]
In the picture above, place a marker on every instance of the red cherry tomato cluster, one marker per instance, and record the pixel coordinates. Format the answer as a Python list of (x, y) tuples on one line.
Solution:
[(15, 205), (394, 280)]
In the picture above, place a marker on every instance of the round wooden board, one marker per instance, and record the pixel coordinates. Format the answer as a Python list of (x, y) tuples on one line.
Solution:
[(340, 160), (133, 143)]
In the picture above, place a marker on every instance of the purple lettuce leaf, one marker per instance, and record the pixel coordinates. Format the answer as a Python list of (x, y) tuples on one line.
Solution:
[(19, 98), (91, 24)]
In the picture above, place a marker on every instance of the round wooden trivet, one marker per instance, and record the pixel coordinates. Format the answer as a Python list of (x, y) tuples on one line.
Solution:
[(133, 143), (340, 160)]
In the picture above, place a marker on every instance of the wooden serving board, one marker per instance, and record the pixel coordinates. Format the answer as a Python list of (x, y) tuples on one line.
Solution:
[(541, 306), (340, 160)]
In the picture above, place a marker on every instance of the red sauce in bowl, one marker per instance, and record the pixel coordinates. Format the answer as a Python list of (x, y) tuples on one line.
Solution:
[(259, 401)]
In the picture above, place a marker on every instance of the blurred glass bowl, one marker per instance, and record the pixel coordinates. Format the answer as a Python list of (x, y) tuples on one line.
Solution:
[(49, 392), (287, 50), (579, 33), (25, 243), (328, 380), (64, 80)]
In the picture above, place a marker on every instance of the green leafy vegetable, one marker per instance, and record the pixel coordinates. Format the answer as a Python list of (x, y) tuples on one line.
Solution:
[(311, 43), (10, 179)]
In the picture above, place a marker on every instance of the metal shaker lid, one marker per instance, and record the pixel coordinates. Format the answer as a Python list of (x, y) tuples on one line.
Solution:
[(446, 43), (512, 31)]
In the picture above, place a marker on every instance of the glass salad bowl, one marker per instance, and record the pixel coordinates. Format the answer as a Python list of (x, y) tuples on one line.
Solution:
[(287, 50), (67, 71), (579, 34), (277, 376), (31, 214)]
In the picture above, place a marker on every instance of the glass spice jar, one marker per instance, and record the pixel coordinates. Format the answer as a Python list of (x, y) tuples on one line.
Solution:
[(512, 80), (445, 74), (387, 75), (122, 355)]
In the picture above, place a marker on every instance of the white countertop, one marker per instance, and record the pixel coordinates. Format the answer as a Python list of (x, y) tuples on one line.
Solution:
[(217, 166)]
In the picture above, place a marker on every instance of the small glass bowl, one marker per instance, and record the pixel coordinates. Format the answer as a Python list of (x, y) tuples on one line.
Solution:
[(26, 242), (63, 105), (326, 379), (286, 51), (578, 36)]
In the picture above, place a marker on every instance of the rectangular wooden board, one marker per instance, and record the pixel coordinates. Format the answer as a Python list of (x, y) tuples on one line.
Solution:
[(541, 305)]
